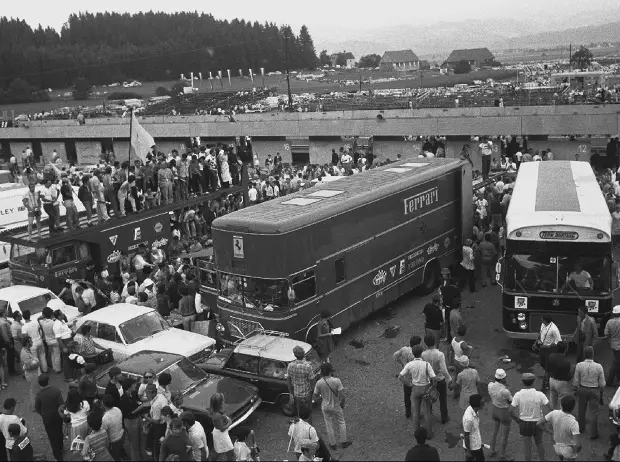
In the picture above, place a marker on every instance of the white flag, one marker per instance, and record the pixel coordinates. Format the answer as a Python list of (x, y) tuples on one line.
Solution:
[(141, 141)]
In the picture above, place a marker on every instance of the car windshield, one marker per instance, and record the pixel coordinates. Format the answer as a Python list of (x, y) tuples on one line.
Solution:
[(256, 293), (558, 274), (185, 375), (36, 304), (143, 326)]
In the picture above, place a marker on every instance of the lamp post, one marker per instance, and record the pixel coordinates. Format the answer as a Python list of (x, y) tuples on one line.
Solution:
[(288, 77)]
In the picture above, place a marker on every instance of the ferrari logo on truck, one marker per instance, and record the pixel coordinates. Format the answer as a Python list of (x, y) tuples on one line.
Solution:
[(421, 200), (238, 246)]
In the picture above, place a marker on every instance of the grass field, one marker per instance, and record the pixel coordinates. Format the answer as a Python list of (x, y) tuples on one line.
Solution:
[(147, 90)]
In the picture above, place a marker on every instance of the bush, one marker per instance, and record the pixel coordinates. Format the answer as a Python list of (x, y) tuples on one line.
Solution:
[(81, 89), (161, 91), (462, 67), (123, 95), (177, 89)]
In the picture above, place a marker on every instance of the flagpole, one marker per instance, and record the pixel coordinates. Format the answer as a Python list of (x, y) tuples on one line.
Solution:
[(130, 133)]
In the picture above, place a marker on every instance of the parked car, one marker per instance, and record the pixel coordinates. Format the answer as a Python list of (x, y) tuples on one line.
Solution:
[(195, 385), (262, 359), (22, 297), (127, 329)]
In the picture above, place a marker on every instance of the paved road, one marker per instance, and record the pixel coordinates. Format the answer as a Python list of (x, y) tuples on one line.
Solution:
[(375, 411)]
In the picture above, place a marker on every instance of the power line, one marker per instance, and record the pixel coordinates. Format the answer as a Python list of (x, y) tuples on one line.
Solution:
[(90, 66)]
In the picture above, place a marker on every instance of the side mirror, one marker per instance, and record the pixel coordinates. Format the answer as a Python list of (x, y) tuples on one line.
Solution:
[(498, 271)]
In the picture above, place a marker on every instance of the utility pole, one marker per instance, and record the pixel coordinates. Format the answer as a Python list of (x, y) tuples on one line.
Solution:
[(288, 77)]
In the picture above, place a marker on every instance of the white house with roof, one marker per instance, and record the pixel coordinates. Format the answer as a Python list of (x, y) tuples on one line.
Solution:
[(401, 60)]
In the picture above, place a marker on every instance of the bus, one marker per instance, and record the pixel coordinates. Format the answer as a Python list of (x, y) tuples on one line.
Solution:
[(558, 253), (349, 247)]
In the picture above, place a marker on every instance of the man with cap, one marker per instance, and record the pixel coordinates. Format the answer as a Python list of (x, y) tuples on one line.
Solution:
[(501, 399), (421, 451), (300, 379), (588, 382), (528, 407), (612, 332), (433, 318), (472, 440)]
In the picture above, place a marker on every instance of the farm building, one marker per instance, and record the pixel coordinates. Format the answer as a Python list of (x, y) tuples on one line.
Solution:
[(402, 60), (585, 80), (424, 65), (476, 57), (348, 56)]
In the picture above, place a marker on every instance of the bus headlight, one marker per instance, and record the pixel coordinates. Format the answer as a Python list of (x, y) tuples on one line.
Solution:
[(521, 316), (523, 325)]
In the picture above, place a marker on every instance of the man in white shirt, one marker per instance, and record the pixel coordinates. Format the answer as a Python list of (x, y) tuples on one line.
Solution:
[(197, 436), (486, 150), (472, 440), (48, 197), (7, 418), (112, 423), (418, 374), (580, 278), (252, 194), (528, 407), (302, 430), (549, 154)]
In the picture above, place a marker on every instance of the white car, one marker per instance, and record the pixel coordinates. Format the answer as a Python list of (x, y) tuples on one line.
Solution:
[(22, 297), (127, 329)]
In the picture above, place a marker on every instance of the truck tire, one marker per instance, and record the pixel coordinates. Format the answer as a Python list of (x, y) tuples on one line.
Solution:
[(431, 278)]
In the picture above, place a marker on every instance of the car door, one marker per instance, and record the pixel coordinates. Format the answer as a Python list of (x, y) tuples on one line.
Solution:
[(271, 379), (108, 337), (243, 367)]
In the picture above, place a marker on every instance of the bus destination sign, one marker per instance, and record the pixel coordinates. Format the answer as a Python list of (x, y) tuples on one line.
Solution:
[(421, 200), (559, 235)]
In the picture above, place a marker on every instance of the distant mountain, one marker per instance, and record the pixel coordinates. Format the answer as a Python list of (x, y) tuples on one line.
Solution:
[(437, 40), (609, 32)]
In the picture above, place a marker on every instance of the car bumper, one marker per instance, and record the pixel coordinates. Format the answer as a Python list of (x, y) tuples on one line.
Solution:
[(247, 414)]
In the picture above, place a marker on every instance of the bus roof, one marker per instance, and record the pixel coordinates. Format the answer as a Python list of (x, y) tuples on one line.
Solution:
[(19, 235), (324, 201), (557, 193)]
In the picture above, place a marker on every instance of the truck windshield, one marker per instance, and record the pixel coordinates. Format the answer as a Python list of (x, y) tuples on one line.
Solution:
[(558, 274), (25, 255), (254, 293)]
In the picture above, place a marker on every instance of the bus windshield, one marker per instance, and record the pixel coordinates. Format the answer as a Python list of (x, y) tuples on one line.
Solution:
[(558, 274), (254, 293)]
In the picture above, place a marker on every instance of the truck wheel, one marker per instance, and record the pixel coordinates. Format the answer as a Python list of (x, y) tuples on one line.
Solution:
[(312, 335), (431, 278), (285, 406)]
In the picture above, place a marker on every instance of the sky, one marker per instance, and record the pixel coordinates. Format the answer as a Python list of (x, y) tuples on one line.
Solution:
[(324, 18)]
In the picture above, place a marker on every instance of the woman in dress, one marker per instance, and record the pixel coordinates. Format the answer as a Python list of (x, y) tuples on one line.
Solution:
[(96, 443), (224, 169), (467, 380), (76, 409)]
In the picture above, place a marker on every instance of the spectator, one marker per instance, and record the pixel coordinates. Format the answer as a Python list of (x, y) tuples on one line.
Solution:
[(7, 342), (443, 379), (176, 442), (565, 431), (32, 203), (112, 423), (433, 319), (86, 197), (47, 402), (472, 440), (96, 442), (197, 437), (300, 377), (467, 381), (612, 332), (301, 430), (22, 448), (549, 338), (589, 382), (467, 267), (418, 374), (560, 377), (76, 408), (488, 254), (501, 400), (222, 444), (131, 423), (330, 391), (63, 335), (421, 451), (30, 364), (325, 341), (528, 407), (114, 387)]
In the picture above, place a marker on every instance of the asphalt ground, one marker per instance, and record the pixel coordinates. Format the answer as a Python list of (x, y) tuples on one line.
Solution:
[(375, 411)]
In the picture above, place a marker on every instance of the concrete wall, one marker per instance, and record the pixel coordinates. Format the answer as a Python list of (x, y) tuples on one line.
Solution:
[(321, 151), (263, 148), (390, 149), (17, 147), (167, 146), (88, 152), (48, 147)]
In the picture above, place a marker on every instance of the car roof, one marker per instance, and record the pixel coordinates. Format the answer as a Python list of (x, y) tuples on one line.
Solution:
[(21, 292), (139, 363), (117, 314), (271, 347)]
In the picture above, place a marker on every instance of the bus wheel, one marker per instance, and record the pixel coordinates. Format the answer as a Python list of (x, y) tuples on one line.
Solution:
[(286, 407), (431, 278)]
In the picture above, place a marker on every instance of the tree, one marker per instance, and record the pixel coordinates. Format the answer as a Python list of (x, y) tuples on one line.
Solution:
[(161, 91), (19, 88), (369, 61), (81, 88), (306, 46), (582, 57), (462, 67), (324, 59)]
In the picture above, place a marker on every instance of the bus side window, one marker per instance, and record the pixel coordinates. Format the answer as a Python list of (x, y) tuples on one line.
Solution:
[(340, 271), (304, 285)]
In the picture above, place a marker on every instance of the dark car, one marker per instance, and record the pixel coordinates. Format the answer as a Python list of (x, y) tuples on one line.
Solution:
[(262, 360), (196, 386)]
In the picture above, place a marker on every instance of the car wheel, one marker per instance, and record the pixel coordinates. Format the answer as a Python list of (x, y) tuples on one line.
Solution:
[(286, 407)]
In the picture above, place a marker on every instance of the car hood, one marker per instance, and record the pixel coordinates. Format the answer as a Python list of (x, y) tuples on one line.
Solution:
[(237, 394), (177, 341)]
